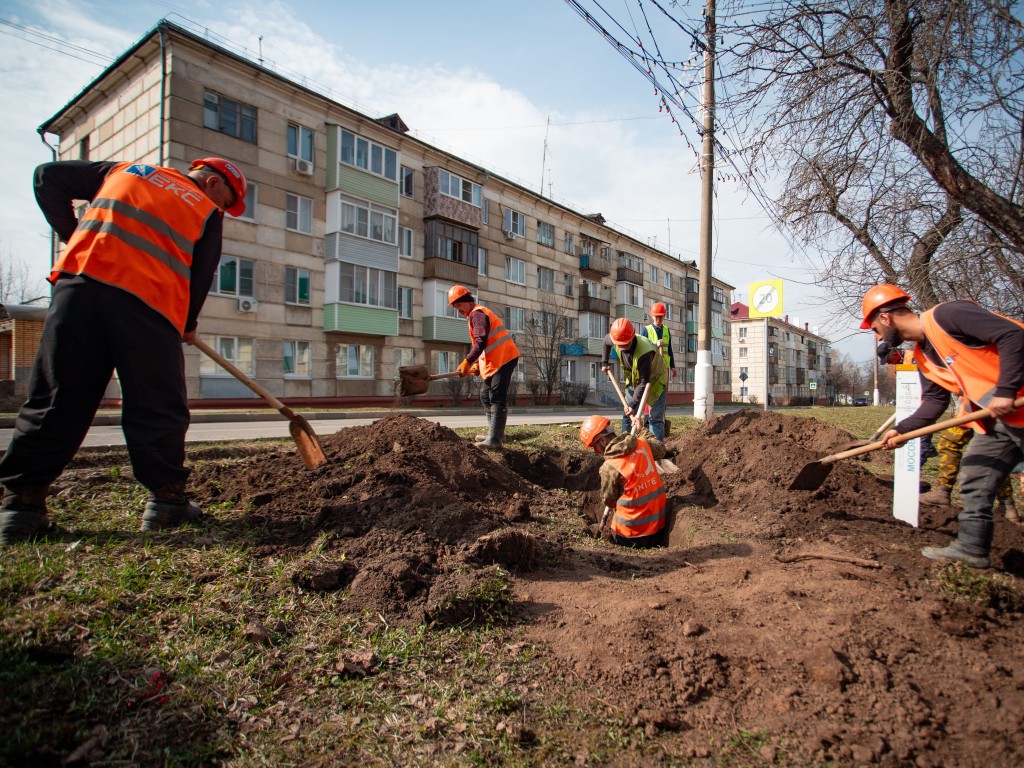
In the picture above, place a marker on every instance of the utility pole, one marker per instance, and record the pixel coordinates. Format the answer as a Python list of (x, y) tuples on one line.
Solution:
[(703, 380)]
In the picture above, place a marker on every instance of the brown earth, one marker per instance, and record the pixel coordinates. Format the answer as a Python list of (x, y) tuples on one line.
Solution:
[(851, 656)]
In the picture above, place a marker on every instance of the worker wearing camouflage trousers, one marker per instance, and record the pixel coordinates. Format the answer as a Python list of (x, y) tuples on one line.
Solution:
[(951, 443)]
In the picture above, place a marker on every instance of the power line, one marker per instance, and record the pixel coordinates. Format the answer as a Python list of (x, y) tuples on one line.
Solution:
[(64, 47)]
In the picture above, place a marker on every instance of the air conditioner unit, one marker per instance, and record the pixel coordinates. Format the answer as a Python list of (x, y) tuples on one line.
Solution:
[(247, 304), (510, 235), (303, 167)]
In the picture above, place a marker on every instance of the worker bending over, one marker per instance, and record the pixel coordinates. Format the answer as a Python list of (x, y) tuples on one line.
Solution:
[(631, 488)]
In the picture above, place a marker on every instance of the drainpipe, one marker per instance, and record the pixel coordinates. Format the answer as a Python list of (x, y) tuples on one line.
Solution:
[(53, 240), (163, 91)]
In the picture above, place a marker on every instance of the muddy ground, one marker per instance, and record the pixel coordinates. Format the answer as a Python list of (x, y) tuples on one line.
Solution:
[(809, 615)]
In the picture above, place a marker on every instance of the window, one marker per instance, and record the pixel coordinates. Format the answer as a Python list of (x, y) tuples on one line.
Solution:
[(742, 333), (298, 214), (295, 358), (570, 286), (515, 270), (404, 356), (567, 243), (459, 188), (743, 351), (369, 220), (718, 294), (546, 324), (546, 234), (300, 142), (691, 344), (481, 254), (653, 273), (296, 286), (629, 261), (515, 319), (483, 210), (570, 327), (515, 222), (444, 362), (692, 285), (627, 293), (405, 242), (406, 185), (250, 203), (452, 243), (354, 361), (228, 116), (368, 285), (405, 303), (235, 277), (545, 279), (667, 281), (441, 301), (83, 148), (373, 158), (236, 351)]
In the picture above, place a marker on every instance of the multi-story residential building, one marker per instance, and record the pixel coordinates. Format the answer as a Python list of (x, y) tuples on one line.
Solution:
[(354, 231), (795, 359)]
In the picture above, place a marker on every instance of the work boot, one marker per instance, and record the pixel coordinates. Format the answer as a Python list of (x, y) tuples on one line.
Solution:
[(490, 422), (169, 507), (938, 496), (23, 513), (955, 552), (499, 416), (1007, 509)]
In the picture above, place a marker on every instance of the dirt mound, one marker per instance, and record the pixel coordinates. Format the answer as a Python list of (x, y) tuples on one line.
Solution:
[(404, 501)]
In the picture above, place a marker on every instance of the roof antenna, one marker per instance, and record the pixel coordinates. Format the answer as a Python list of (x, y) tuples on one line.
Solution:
[(544, 157), (261, 50)]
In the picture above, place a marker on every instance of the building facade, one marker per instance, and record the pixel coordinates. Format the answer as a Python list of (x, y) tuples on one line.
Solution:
[(337, 273), (795, 360)]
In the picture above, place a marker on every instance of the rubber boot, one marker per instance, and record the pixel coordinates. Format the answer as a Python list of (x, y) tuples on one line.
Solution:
[(169, 507), (490, 422), (971, 546), (497, 434), (938, 496), (23, 513), (1008, 509)]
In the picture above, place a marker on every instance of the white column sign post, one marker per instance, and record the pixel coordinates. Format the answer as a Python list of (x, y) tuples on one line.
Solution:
[(907, 459)]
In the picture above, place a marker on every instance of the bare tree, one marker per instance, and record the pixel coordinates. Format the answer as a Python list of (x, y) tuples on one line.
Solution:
[(16, 283), (897, 125), (540, 344), (846, 377)]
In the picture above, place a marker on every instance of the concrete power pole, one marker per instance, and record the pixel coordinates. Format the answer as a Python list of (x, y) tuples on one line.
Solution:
[(703, 378)]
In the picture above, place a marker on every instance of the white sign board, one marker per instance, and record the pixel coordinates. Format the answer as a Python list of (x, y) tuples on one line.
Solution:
[(906, 487)]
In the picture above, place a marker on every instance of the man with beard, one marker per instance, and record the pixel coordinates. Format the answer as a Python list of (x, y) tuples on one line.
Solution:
[(961, 348)]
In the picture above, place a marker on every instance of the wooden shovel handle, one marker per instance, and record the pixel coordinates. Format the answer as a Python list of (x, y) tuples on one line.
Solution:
[(640, 408), (938, 426), (618, 389), (212, 354), (437, 376)]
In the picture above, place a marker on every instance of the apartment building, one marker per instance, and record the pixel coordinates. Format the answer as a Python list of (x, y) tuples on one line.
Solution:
[(354, 230), (795, 359)]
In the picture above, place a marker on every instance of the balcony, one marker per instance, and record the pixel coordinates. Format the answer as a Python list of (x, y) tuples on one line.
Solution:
[(627, 275), (593, 265), (450, 271), (595, 305)]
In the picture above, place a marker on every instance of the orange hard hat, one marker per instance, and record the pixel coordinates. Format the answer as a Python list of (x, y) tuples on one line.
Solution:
[(658, 310), (232, 175), (882, 297), (591, 427), (458, 293), (622, 332)]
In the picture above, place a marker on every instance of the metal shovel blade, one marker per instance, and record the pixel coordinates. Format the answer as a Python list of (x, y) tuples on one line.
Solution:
[(306, 442), (811, 476)]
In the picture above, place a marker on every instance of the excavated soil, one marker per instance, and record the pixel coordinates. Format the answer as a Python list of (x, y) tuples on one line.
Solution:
[(810, 615)]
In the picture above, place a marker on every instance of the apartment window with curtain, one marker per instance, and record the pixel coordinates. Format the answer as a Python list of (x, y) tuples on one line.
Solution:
[(295, 359), (237, 351), (296, 286)]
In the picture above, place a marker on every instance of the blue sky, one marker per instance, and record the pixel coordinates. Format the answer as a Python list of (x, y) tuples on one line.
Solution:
[(478, 79)]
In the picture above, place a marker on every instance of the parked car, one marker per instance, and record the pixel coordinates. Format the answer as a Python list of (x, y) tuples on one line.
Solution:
[(861, 401)]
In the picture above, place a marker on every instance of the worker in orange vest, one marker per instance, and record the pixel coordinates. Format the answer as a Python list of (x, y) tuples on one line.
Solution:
[(497, 355), (127, 290), (963, 348), (631, 488)]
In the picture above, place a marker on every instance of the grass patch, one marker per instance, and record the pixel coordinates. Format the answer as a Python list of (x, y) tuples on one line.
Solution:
[(995, 591)]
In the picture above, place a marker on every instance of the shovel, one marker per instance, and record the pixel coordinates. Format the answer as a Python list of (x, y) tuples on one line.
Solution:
[(858, 443), (813, 475), (665, 466), (302, 433), (415, 379)]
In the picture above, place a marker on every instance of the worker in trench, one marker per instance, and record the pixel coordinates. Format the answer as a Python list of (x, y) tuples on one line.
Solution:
[(634, 510)]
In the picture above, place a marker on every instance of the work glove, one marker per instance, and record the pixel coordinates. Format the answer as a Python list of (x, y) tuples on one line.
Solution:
[(463, 369), (474, 369)]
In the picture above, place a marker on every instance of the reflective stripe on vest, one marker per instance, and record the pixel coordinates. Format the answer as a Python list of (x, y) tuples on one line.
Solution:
[(640, 511), (139, 234), (659, 371), (499, 347), (666, 337), (974, 371)]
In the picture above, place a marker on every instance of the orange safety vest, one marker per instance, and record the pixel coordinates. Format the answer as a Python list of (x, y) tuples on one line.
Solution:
[(138, 234), (972, 371), (640, 510), (499, 347)]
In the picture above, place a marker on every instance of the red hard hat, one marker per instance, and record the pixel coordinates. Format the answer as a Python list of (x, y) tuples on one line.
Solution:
[(882, 296), (232, 174), (591, 427), (622, 332), (457, 293), (658, 310)]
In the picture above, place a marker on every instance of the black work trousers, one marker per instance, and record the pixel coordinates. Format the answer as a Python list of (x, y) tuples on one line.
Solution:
[(92, 330), (494, 392)]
